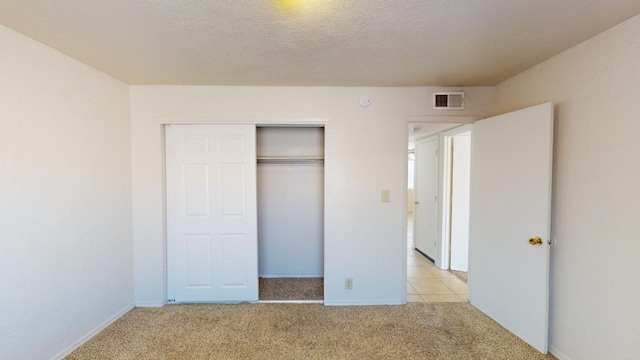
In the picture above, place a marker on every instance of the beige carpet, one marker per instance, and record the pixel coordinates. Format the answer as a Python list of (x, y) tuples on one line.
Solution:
[(291, 289), (451, 331)]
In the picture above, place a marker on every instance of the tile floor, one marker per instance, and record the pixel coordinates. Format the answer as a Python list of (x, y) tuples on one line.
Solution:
[(427, 283)]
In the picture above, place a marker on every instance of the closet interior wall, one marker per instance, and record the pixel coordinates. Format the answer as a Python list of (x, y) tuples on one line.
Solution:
[(290, 201)]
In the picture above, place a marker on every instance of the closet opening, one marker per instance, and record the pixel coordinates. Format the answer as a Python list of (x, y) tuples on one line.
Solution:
[(290, 194)]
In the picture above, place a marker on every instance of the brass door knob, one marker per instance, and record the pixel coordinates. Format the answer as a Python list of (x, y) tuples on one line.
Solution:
[(535, 241), (416, 203)]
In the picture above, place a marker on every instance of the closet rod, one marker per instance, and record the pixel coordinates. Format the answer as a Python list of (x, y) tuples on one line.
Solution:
[(292, 161)]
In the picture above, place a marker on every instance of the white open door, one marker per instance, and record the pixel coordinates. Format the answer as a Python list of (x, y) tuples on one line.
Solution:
[(212, 248), (511, 158), (425, 213)]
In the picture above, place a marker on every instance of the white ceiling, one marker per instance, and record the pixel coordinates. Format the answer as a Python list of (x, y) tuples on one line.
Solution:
[(313, 42)]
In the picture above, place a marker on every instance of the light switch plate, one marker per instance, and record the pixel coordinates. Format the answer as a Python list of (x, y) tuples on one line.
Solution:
[(384, 197)]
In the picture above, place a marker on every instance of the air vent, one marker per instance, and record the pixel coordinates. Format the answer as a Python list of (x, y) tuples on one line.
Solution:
[(448, 101)]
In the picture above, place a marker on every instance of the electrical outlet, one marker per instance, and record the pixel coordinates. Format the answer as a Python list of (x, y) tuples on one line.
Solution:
[(348, 283)]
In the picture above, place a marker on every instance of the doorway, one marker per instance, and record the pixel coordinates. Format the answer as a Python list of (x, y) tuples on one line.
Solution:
[(290, 179), (426, 280), (432, 136)]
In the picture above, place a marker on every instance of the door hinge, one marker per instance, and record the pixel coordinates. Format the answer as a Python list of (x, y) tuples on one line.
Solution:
[(436, 152), (435, 198), (171, 301)]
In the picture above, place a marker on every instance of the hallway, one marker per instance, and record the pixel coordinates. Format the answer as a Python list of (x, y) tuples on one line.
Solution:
[(427, 283)]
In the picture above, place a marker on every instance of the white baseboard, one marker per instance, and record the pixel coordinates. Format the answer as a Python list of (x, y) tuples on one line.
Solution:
[(76, 344), (557, 353), (362, 302), (272, 276), (150, 304), (290, 302)]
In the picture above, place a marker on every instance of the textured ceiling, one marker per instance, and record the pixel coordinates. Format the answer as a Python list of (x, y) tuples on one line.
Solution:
[(313, 42)]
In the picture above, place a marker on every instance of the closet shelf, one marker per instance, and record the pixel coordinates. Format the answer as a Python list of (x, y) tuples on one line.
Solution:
[(290, 160)]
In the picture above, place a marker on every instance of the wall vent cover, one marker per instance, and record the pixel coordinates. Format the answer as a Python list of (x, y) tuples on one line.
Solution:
[(448, 100)]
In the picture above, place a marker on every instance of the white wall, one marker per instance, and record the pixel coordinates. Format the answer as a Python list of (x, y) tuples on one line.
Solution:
[(291, 220), (65, 200), (595, 266), (365, 152)]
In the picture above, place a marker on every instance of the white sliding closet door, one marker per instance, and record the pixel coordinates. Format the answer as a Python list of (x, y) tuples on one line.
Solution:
[(211, 213)]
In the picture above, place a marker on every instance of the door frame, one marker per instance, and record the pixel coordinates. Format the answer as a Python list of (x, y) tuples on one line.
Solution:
[(257, 122), (445, 237)]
